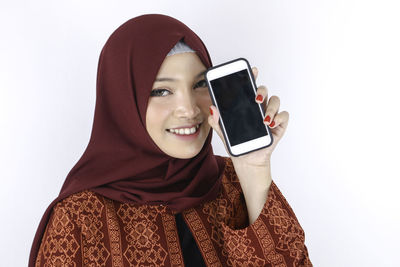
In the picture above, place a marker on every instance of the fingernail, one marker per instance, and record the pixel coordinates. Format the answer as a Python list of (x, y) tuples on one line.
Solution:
[(267, 119), (272, 124), (211, 112), (259, 98)]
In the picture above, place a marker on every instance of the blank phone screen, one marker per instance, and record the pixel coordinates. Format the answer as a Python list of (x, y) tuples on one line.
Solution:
[(239, 110)]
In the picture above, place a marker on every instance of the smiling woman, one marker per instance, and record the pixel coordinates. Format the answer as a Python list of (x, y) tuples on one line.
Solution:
[(177, 111), (148, 190)]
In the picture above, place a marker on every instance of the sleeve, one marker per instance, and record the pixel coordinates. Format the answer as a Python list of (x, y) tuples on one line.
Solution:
[(60, 245), (275, 238), (283, 230)]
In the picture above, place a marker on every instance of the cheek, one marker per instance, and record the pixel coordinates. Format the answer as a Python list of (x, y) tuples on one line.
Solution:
[(205, 102), (156, 116)]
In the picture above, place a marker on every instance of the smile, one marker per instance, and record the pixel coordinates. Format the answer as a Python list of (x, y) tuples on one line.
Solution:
[(185, 131)]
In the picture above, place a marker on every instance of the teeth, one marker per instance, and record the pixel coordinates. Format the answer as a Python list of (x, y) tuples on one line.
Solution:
[(185, 131)]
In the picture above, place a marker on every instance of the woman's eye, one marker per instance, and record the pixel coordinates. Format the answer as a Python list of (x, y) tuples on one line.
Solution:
[(201, 83), (165, 92), (159, 92)]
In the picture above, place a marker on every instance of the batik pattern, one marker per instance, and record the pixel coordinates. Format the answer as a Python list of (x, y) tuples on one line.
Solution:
[(87, 229)]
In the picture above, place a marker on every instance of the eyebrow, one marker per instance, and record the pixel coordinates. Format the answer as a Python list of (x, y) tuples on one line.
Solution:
[(172, 80)]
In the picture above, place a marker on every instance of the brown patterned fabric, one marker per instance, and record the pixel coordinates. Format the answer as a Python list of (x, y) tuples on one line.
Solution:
[(88, 229)]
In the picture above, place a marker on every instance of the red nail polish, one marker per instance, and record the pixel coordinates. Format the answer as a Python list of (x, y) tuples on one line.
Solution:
[(259, 98), (267, 119), (211, 112), (272, 124)]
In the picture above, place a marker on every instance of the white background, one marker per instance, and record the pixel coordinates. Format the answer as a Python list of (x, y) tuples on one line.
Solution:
[(334, 64)]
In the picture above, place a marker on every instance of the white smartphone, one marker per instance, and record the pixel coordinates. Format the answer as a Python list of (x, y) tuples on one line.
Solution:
[(233, 91)]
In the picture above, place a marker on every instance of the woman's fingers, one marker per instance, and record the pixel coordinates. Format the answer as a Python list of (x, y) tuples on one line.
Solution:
[(255, 72), (262, 94), (280, 119), (272, 110)]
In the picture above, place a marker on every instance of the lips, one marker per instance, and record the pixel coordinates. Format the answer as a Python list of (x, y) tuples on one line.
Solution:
[(185, 130)]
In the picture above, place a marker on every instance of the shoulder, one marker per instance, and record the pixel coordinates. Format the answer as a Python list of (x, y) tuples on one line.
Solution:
[(84, 202)]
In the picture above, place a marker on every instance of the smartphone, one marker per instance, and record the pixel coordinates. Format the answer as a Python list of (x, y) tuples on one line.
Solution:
[(233, 91)]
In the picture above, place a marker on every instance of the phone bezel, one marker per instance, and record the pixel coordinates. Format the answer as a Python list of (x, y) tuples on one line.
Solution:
[(224, 69)]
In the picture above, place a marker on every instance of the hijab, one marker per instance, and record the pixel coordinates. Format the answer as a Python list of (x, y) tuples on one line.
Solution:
[(121, 161)]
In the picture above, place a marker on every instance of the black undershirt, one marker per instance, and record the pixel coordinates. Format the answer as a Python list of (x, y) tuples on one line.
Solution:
[(191, 253)]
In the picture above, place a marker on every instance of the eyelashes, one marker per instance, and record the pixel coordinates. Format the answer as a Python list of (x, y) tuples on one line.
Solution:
[(165, 92), (202, 82), (158, 92)]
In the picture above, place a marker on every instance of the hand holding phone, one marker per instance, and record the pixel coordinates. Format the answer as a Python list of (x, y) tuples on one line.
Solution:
[(232, 89)]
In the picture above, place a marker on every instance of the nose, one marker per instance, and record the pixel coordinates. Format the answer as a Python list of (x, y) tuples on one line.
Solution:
[(186, 106)]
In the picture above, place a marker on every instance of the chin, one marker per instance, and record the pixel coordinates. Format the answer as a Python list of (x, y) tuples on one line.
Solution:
[(177, 149), (184, 151), (187, 155)]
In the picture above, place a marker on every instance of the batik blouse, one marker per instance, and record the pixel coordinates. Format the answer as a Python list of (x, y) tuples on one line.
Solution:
[(88, 229)]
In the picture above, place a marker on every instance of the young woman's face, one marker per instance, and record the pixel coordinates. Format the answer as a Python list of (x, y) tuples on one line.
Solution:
[(179, 100)]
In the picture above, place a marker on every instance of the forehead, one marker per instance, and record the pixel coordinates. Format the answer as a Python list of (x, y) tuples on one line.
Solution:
[(182, 63)]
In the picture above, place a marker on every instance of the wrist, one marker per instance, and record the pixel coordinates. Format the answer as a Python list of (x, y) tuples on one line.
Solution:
[(244, 163), (254, 179)]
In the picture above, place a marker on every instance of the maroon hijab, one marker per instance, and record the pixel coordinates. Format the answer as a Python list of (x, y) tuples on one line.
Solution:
[(121, 160)]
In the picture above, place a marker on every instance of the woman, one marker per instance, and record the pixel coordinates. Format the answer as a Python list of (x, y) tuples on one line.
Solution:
[(148, 190)]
